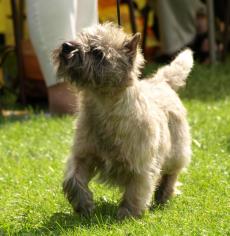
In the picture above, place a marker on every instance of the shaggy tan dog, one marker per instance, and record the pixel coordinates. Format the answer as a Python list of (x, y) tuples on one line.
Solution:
[(132, 133)]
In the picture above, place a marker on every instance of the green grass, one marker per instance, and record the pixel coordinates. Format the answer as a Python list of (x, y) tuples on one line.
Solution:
[(32, 157)]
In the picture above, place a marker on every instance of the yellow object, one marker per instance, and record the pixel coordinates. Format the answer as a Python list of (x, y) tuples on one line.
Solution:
[(6, 25), (141, 3), (108, 12)]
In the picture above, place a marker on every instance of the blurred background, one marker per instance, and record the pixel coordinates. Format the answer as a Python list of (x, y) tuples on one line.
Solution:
[(166, 27)]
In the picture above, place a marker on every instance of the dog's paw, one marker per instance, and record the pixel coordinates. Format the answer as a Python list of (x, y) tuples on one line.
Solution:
[(176, 192), (162, 197), (124, 212), (85, 210), (78, 196)]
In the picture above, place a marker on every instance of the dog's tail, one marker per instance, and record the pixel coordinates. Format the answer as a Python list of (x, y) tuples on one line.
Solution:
[(176, 72)]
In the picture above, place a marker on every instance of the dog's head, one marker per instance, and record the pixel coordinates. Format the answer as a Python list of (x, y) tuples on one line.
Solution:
[(102, 56)]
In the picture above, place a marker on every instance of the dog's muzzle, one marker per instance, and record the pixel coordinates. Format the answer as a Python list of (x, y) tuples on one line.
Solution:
[(67, 47), (68, 50)]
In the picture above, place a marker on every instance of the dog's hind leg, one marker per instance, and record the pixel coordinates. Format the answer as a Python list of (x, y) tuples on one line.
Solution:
[(75, 185), (166, 188), (180, 158)]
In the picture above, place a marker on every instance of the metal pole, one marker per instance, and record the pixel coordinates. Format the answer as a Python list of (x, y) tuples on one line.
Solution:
[(18, 37), (118, 13), (132, 16), (146, 17), (226, 31), (211, 31)]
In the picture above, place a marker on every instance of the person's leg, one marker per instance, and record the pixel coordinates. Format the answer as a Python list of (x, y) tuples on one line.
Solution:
[(177, 23), (50, 23), (87, 14), (62, 99)]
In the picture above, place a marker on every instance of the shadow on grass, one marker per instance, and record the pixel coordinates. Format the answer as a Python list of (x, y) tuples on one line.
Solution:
[(59, 222), (11, 119), (62, 222), (27, 118)]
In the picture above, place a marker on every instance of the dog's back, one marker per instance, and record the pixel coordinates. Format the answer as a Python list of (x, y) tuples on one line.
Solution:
[(162, 89)]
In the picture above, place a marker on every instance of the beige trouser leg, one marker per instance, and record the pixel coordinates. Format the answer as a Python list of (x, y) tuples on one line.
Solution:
[(177, 22), (50, 23), (53, 21)]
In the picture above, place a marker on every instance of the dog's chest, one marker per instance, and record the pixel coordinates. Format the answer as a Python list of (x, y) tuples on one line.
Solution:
[(123, 141)]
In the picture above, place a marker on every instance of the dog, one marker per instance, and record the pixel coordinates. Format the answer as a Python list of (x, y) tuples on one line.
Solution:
[(131, 133)]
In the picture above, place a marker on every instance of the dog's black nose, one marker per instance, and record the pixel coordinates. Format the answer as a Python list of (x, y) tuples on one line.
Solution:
[(67, 47)]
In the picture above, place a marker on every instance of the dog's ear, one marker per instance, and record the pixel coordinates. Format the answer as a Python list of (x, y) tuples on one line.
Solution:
[(131, 44)]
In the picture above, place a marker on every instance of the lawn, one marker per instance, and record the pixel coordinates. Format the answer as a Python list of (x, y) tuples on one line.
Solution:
[(33, 151)]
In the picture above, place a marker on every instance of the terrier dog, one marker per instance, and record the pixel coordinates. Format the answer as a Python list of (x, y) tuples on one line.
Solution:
[(131, 133)]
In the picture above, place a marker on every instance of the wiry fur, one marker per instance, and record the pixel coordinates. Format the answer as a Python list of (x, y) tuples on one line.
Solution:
[(133, 133)]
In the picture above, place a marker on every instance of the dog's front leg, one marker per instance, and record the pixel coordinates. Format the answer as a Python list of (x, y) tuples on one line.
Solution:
[(137, 196), (75, 186)]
